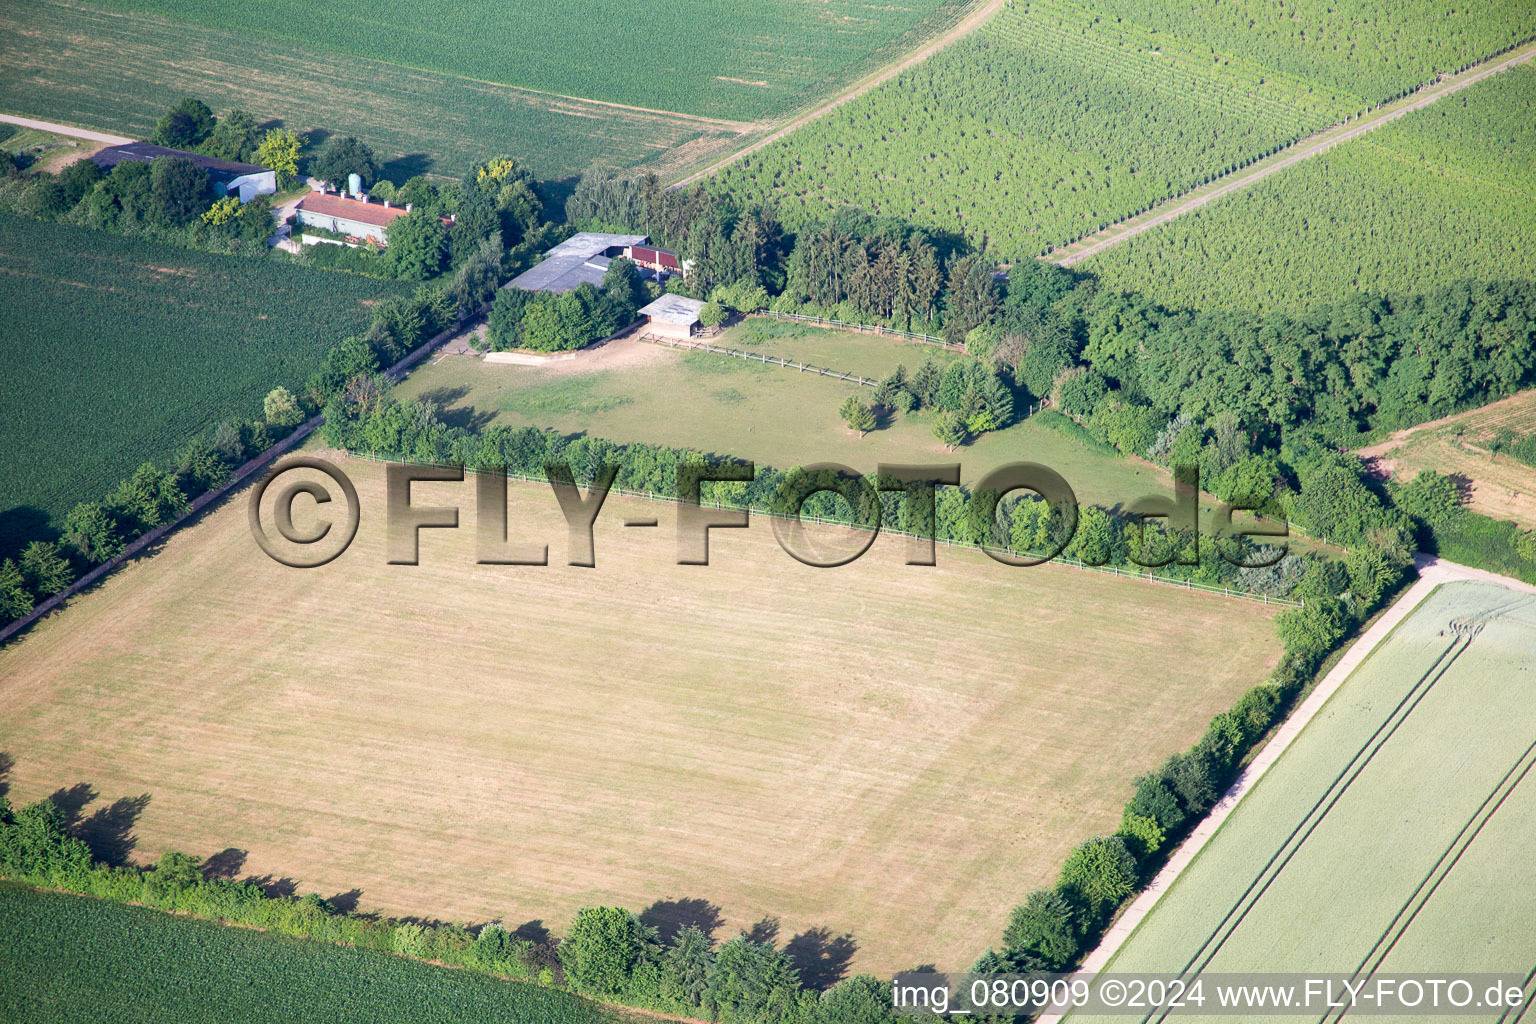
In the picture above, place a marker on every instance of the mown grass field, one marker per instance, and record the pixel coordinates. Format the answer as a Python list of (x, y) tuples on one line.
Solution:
[(1496, 484), (633, 391), (1447, 192), (119, 351), (896, 753), (119, 70), (1059, 117), (1422, 862), (69, 958)]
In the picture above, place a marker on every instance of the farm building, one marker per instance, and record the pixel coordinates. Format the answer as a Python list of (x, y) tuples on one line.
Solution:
[(584, 259), (660, 260), (356, 218), (673, 316), (229, 178)]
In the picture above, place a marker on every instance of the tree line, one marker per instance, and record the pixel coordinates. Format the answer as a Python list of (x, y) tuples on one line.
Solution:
[(545, 322)]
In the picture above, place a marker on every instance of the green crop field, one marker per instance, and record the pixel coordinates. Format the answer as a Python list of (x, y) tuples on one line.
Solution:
[(1393, 836), (118, 351), (1370, 49), (1447, 192), (1055, 118), (740, 61), (118, 71), (69, 958)]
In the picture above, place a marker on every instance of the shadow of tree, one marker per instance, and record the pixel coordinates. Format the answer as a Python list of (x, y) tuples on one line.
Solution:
[(71, 802), (109, 831), (274, 887), (532, 931), (553, 192), (224, 864), (346, 902), (821, 958), (403, 168), (468, 417), (766, 930), (21, 524), (669, 917), (6, 764)]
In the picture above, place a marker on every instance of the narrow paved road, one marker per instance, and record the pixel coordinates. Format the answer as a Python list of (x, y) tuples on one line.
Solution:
[(970, 23), (1311, 146), (65, 129)]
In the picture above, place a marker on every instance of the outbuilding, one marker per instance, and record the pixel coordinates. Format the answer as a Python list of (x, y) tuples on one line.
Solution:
[(673, 316), (246, 181)]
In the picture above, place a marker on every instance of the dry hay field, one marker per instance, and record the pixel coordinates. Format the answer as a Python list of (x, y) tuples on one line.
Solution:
[(1498, 485), (118, 71), (1393, 835), (897, 754)]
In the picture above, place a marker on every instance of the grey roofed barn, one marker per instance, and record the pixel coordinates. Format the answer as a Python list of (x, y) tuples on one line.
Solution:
[(246, 180), (580, 259), (143, 152)]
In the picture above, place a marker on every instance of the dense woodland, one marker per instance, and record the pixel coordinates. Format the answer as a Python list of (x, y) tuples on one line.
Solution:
[(1266, 404)]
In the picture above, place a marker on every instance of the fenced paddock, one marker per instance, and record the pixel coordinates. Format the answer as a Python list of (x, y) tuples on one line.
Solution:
[(880, 329)]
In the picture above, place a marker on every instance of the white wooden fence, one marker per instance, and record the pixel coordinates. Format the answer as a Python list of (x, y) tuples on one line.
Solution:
[(758, 357)]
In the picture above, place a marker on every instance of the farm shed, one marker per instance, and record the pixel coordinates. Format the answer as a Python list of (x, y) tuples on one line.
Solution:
[(580, 259), (357, 218), (247, 181), (673, 316)]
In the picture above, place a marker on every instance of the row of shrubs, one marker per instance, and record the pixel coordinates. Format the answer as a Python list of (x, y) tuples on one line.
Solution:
[(1458, 534), (611, 954)]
